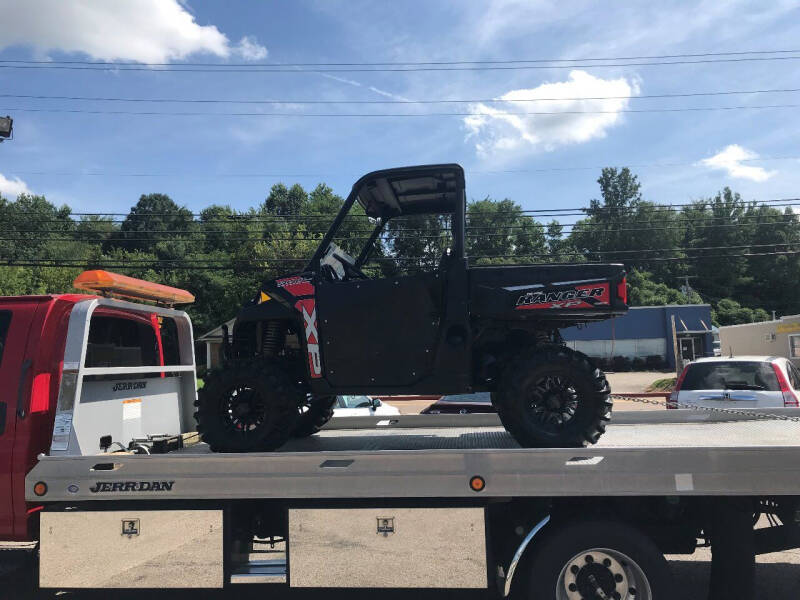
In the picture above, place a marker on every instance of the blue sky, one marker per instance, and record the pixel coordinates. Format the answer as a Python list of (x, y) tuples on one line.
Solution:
[(89, 160)]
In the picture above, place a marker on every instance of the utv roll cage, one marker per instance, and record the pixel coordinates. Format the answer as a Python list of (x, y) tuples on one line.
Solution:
[(390, 193)]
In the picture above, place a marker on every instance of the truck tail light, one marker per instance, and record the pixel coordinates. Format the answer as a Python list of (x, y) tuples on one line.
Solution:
[(673, 397), (622, 290), (789, 397), (40, 393)]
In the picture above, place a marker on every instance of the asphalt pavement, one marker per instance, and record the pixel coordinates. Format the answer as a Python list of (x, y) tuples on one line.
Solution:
[(777, 578)]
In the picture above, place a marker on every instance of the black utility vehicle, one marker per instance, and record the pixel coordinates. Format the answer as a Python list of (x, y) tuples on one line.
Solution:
[(458, 328)]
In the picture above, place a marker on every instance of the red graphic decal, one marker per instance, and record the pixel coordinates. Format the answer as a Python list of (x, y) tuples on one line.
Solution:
[(582, 296), (309, 310), (296, 286)]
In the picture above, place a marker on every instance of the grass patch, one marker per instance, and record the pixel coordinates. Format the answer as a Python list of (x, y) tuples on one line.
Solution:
[(662, 385)]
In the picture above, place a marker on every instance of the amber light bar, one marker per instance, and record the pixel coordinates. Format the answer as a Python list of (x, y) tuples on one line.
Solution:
[(113, 284)]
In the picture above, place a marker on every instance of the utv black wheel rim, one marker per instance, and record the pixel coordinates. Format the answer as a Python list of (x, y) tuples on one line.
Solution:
[(552, 402), (243, 410), (305, 405)]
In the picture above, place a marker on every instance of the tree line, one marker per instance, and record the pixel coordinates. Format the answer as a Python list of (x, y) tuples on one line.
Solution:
[(741, 257)]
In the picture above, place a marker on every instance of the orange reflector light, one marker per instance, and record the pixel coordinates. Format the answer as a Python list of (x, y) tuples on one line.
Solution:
[(477, 483), (40, 488), (112, 284), (40, 396)]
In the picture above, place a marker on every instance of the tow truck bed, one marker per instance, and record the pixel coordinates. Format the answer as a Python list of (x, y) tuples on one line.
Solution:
[(669, 453)]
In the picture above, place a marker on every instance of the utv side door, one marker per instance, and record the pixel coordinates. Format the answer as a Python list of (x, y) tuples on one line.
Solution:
[(15, 321), (379, 332)]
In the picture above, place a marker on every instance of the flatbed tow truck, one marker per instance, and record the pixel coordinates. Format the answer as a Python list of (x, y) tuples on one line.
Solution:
[(442, 501)]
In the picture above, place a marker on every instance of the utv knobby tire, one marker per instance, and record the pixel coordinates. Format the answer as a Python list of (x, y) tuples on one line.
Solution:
[(520, 381), (560, 548), (264, 390), (317, 411)]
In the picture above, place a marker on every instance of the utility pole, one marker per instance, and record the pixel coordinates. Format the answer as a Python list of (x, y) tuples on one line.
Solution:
[(687, 289), (678, 360)]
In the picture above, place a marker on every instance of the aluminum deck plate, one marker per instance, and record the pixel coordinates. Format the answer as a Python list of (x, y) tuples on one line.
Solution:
[(417, 458)]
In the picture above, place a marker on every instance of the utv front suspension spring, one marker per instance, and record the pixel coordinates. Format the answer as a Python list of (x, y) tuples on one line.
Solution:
[(272, 338)]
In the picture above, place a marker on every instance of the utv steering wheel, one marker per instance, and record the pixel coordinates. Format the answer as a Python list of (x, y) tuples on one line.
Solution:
[(350, 269)]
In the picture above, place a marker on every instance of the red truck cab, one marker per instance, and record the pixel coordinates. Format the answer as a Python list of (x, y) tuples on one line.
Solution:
[(33, 334)]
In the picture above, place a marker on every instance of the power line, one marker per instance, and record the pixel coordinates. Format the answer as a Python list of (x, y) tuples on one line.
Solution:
[(587, 227), (257, 264), (408, 63), (206, 174), (346, 234), (661, 259), (247, 218), (587, 252), (153, 113), (246, 68), (430, 101), (118, 236), (659, 209)]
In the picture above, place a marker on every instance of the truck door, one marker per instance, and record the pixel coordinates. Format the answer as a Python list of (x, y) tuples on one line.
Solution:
[(15, 321)]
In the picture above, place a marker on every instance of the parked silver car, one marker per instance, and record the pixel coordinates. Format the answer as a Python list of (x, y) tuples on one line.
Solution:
[(738, 382)]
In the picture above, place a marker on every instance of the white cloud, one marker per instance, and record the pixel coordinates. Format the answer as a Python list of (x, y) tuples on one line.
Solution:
[(730, 159), (136, 30), (495, 132), (502, 19), (11, 188), (249, 49)]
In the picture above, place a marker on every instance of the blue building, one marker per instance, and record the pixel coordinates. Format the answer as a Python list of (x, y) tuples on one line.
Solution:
[(647, 331)]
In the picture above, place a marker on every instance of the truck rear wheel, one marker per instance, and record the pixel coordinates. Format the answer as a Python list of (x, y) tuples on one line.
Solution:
[(598, 559), (314, 413), (553, 397), (247, 407)]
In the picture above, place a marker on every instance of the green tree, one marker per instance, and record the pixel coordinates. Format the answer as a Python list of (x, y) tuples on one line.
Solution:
[(643, 290), (774, 236), (285, 202), (730, 312), (414, 243), (622, 227), (559, 246), (499, 232), (157, 224), (32, 226), (719, 233)]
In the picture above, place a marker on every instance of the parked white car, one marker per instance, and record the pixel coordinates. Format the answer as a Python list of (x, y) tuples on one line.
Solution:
[(738, 382), (362, 406)]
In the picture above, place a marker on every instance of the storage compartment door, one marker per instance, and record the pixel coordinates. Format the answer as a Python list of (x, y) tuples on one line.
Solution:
[(387, 548), (131, 549)]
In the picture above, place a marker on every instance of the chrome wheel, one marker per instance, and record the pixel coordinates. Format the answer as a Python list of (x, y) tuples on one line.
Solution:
[(602, 574)]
